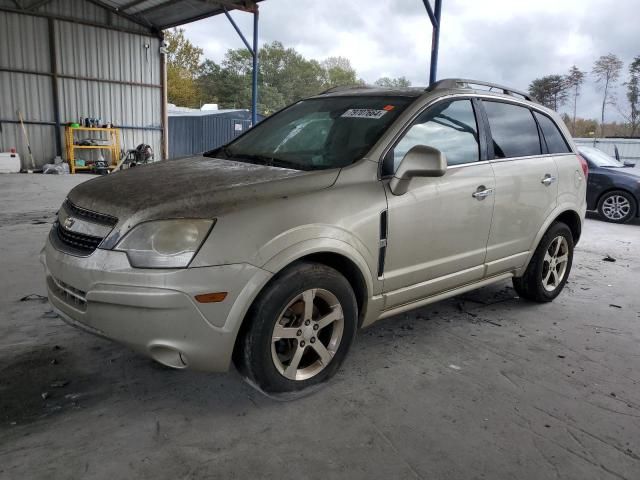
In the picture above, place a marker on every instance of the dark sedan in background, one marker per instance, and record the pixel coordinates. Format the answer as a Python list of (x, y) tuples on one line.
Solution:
[(614, 187)]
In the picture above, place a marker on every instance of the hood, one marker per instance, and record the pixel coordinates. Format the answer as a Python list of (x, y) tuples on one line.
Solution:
[(194, 187), (632, 173)]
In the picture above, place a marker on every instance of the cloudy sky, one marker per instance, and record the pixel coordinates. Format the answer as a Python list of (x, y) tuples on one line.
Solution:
[(509, 42)]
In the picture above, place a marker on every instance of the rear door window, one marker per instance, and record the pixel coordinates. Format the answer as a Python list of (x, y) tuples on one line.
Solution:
[(552, 135), (449, 126), (514, 130)]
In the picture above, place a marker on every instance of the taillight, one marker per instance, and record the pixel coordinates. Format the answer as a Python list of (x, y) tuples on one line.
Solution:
[(584, 165)]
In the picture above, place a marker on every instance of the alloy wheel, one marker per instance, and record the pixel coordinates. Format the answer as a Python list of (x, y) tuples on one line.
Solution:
[(616, 207), (555, 263), (307, 334)]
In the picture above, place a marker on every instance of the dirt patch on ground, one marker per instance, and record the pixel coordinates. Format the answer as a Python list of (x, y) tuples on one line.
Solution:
[(45, 381)]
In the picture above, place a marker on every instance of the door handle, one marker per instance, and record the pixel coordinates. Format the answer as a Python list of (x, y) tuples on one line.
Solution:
[(482, 192), (548, 180)]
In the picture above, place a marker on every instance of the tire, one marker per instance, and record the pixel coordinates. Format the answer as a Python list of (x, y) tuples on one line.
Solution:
[(617, 206), (318, 344), (538, 283)]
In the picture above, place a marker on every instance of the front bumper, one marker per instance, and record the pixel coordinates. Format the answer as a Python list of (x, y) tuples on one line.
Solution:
[(154, 311)]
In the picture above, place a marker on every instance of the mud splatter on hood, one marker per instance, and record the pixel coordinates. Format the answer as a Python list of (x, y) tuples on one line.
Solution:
[(194, 187)]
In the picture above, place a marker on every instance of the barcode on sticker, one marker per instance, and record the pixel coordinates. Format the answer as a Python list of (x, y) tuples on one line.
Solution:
[(364, 113)]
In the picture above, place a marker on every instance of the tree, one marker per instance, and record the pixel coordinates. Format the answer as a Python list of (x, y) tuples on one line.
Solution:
[(284, 76), (574, 81), (550, 91), (633, 96), (183, 59), (607, 72), (399, 82), (337, 71)]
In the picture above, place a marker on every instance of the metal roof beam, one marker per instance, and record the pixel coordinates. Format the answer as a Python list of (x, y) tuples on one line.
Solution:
[(432, 17), (115, 11), (158, 7), (37, 5), (239, 32), (80, 21), (130, 5), (249, 6)]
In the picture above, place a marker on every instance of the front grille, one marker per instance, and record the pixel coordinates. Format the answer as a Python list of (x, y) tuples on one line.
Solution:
[(96, 217), (68, 294), (81, 241), (78, 241)]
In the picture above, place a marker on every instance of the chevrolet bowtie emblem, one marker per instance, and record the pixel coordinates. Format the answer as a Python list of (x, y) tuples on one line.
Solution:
[(68, 223)]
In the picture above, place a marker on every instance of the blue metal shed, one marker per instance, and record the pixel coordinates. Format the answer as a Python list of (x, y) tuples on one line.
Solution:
[(196, 131)]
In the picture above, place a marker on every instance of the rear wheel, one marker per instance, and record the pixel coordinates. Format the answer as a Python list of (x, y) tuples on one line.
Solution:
[(299, 330), (549, 268), (617, 206)]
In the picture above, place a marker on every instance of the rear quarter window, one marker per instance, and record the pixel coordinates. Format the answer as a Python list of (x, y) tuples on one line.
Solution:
[(514, 130), (553, 137)]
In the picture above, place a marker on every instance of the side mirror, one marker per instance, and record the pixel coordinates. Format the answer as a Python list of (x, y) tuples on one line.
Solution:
[(420, 161)]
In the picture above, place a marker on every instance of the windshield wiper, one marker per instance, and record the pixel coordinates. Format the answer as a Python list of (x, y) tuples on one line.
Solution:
[(216, 152), (267, 161), (255, 159)]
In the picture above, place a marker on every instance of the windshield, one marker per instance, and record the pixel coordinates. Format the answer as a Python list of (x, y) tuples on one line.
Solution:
[(599, 158), (318, 133)]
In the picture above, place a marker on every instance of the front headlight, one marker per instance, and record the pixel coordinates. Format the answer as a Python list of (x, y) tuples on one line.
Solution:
[(164, 243)]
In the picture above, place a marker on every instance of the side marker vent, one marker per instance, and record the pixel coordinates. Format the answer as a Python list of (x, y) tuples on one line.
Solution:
[(383, 242)]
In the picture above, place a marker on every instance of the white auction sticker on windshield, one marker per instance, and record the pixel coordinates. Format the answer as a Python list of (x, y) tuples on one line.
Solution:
[(363, 113)]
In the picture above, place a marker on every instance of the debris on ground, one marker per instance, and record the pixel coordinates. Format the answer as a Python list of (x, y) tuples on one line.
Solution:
[(614, 305), (455, 367), (561, 356), (50, 314), (44, 395), (608, 258), (60, 384), (33, 296)]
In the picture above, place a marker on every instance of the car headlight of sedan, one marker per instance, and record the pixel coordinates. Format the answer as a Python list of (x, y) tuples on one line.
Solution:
[(165, 243)]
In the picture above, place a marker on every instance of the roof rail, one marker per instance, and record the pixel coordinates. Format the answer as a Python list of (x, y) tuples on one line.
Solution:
[(461, 83)]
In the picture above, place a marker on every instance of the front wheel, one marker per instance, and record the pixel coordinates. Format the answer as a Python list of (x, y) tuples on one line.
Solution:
[(549, 268), (617, 206), (298, 330)]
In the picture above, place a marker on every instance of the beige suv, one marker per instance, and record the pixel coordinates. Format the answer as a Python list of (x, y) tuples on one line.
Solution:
[(342, 209)]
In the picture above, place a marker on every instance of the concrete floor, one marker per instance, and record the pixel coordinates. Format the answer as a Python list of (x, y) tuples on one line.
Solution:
[(480, 386)]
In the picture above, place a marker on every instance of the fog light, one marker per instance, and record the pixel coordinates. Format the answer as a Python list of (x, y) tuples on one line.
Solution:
[(168, 356)]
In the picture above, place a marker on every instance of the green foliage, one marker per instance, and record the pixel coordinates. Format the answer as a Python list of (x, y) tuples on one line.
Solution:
[(607, 72), (550, 91), (183, 59), (633, 95), (337, 72), (574, 81), (399, 82), (284, 77)]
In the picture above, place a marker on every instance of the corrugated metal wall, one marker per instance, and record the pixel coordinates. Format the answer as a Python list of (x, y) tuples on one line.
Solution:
[(189, 135), (114, 75)]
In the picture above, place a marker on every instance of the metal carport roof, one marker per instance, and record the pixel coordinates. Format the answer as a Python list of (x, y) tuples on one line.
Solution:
[(162, 14)]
